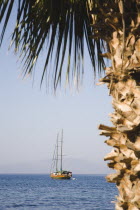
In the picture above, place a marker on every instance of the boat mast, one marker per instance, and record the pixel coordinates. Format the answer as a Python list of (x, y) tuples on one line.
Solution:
[(57, 153), (61, 150)]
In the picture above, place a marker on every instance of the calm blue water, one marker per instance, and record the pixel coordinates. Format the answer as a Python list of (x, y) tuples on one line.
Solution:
[(27, 192)]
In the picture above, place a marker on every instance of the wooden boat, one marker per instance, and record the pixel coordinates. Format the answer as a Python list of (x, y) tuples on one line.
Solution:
[(58, 162)]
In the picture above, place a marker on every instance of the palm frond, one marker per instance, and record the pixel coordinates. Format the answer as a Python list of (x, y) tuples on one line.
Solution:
[(58, 26), (5, 5)]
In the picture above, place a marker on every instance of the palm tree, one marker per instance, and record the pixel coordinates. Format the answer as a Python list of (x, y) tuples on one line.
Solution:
[(111, 30)]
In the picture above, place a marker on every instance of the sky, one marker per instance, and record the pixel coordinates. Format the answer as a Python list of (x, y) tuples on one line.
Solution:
[(30, 119)]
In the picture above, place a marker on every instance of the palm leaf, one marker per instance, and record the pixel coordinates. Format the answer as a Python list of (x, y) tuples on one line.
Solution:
[(58, 26), (6, 5)]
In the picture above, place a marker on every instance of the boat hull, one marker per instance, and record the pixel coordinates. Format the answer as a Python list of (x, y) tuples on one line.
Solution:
[(61, 176)]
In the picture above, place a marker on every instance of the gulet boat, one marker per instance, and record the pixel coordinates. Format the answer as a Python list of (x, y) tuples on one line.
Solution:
[(59, 173)]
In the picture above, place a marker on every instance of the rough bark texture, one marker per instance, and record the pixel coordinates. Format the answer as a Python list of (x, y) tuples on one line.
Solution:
[(123, 81)]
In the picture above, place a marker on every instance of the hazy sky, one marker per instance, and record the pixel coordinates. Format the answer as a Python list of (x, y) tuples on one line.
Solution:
[(30, 120)]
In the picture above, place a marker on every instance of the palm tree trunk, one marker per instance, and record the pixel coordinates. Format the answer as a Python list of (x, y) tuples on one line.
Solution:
[(123, 81)]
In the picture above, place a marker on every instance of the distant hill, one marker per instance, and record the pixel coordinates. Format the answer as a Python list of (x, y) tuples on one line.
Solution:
[(77, 166)]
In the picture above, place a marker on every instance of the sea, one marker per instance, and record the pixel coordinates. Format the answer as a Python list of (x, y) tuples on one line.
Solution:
[(82, 192)]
